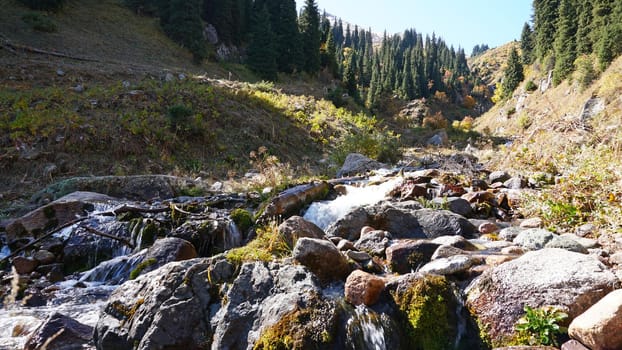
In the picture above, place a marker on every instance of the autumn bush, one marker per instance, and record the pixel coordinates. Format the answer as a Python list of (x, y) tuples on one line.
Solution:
[(436, 121)]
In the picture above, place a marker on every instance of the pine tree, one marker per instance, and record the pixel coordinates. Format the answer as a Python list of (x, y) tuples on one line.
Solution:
[(545, 20), (349, 74), (513, 73), (261, 53), (181, 21), (288, 49), (527, 44), (565, 41), (310, 35), (584, 28)]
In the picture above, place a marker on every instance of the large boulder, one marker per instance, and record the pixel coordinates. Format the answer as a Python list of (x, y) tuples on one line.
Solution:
[(356, 163), (59, 332), (321, 257), (599, 327), (154, 310), (296, 227), (570, 281), (54, 214), (260, 296), (534, 239), (136, 187), (402, 221)]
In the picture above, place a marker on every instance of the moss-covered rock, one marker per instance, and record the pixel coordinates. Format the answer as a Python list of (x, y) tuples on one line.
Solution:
[(312, 327), (428, 309)]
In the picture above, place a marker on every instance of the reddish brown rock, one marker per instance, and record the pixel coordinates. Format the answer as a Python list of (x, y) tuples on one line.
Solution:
[(24, 266), (600, 327), (488, 227), (363, 288)]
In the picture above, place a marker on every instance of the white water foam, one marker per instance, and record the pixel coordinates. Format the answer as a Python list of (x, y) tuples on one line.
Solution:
[(370, 326), (324, 213)]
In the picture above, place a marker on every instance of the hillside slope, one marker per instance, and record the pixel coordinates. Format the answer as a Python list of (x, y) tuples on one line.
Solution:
[(571, 133)]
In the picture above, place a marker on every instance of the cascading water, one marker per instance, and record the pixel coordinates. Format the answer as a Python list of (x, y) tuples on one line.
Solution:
[(324, 213), (365, 330)]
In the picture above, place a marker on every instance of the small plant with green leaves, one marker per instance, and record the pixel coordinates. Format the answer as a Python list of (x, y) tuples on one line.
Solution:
[(140, 267), (541, 326)]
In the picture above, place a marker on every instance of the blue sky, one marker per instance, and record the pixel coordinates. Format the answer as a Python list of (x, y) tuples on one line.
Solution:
[(462, 23)]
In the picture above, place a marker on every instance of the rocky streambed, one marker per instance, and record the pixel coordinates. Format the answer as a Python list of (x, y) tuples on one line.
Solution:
[(413, 258)]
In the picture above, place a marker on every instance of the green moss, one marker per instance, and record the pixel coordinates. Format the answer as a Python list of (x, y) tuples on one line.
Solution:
[(312, 328), (140, 267), (148, 234), (427, 308), (242, 218), (269, 245)]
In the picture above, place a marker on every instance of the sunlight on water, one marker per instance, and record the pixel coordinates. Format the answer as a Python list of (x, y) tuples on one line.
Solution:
[(324, 213), (368, 324)]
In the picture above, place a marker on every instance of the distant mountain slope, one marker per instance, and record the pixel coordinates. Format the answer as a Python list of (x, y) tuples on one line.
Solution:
[(489, 65)]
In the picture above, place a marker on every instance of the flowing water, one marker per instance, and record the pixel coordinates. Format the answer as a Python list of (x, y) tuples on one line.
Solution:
[(324, 213), (365, 330)]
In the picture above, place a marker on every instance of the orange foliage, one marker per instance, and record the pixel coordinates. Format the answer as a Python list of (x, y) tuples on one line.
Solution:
[(436, 121), (469, 102)]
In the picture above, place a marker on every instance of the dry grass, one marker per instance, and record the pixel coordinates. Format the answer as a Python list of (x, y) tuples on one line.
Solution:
[(586, 156)]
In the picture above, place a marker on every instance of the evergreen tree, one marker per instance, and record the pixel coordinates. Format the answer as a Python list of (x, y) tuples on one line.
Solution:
[(261, 53), (513, 73), (545, 20), (565, 41), (329, 60), (310, 34), (289, 51), (181, 21), (349, 74), (347, 41), (527, 44), (584, 28)]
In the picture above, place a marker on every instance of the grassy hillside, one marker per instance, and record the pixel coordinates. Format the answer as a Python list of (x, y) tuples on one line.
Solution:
[(101, 104), (550, 137)]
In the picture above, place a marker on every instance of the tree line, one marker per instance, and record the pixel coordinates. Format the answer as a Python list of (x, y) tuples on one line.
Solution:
[(278, 39), (564, 32)]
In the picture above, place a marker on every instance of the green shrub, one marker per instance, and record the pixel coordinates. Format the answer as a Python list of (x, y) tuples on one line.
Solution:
[(268, 245), (540, 326), (179, 117), (531, 86), (585, 72), (524, 121), (44, 5), (39, 22)]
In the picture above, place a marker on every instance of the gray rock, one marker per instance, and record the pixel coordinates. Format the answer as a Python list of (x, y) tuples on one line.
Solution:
[(556, 277), (591, 108), (58, 212), (566, 243), (374, 242), (154, 310), (409, 255), (358, 256), (59, 332), (439, 139), (446, 251), (455, 241), (296, 227), (456, 205), (356, 163), (585, 230), (259, 297), (402, 222), (168, 77), (588, 243), (498, 176), (449, 266), (515, 183), (44, 257), (510, 233), (533, 239), (322, 258), (345, 245), (211, 34)]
